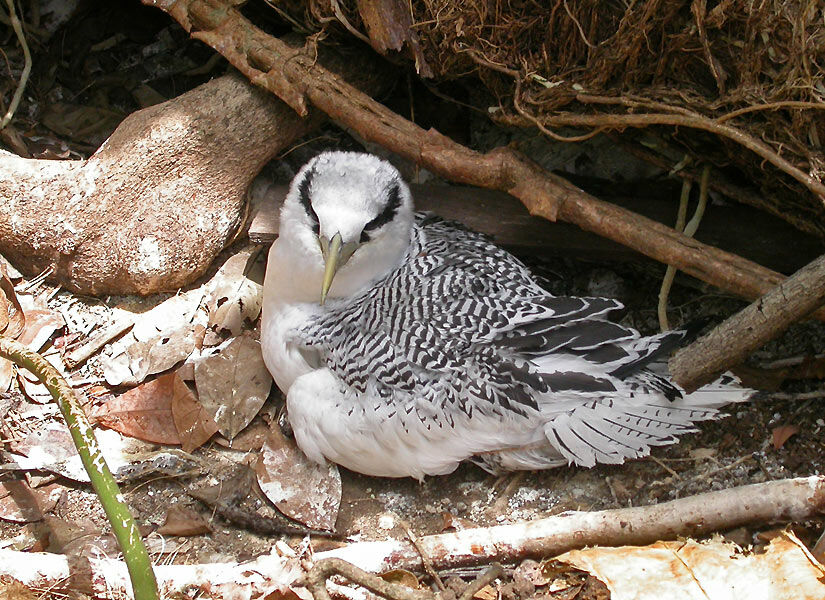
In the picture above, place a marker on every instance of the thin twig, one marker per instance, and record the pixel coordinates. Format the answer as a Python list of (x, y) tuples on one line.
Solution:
[(771, 106), (428, 564), (27, 65), (670, 273), (496, 571), (316, 581)]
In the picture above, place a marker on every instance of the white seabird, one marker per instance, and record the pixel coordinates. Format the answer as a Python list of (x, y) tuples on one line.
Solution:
[(406, 344)]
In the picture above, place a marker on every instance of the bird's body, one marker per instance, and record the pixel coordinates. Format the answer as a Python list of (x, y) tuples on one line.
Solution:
[(435, 346)]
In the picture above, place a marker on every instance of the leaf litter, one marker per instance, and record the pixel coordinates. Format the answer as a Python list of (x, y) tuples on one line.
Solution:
[(404, 497)]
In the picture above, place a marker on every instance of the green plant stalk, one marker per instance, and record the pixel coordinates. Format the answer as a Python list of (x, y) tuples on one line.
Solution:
[(123, 524)]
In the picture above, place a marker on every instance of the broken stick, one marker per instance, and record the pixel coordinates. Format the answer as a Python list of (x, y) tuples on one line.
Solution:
[(762, 503), (731, 342)]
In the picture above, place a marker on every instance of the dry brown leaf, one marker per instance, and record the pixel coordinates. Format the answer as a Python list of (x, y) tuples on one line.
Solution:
[(233, 384), (488, 592), (181, 520), (40, 326), (237, 294), (689, 569), (530, 570), (31, 385), (6, 375), (193, 422), (20, 503), (52, 449), (401, 577), (781, 434), (252, 438), (12, 318), (159, 339), (301, 489), (144, 412)]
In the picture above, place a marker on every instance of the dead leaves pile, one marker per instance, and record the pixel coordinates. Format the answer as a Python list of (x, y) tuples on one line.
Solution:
[(186, 372)]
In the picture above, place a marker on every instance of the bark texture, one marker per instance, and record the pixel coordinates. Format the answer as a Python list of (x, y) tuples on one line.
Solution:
[(731, 342), (153, 206)]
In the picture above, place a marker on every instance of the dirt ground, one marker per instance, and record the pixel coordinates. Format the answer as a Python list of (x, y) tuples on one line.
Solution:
[(737, 450)]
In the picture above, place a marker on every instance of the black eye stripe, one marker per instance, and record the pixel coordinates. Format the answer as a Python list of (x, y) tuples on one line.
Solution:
[(386, 215), (303, 197)]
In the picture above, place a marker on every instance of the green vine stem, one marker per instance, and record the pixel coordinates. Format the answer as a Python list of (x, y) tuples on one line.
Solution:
[(124, 526)]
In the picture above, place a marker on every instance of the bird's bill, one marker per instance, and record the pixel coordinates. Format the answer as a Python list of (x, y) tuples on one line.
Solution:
[(336, 253), (331, 251)]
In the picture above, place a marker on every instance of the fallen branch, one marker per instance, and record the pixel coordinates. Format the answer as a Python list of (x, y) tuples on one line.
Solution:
[(732, 341), (776, 501), (297, 79), (316, 581)]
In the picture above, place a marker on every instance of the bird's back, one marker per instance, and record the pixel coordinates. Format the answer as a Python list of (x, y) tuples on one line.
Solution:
[(458, 353)]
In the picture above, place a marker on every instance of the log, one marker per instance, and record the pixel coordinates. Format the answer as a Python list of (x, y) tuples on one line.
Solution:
[(150, 210), (767, 240)]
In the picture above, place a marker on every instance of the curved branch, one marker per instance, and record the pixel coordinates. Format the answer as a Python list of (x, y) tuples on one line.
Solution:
[(297, 78), (684, 118)]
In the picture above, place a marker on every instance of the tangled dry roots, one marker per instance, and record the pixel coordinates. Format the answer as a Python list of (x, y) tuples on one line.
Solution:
[(754, 66)]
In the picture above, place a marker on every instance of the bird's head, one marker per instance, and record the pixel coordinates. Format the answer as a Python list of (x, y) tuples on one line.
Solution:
[(348, 218)]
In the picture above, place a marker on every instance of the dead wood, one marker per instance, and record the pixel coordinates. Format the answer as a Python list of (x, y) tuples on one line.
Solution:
[(775, 501), (155, 204), (297, 78), (767, 241), (732, 341), (316, 582)]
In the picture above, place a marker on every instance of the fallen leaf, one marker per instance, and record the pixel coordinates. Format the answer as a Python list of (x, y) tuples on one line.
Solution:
[(781, 434), (251, 438), (401, 577), (181, 520), (488, 592), (233, 384), (144, 412), (12, 321), (12, 318), (530, 570), (20, 503), (52, 449), (40, 326), (30, 384), (689, 569), (237, 293), (192, 421), (6, 375), (301, 489), (159, 339)]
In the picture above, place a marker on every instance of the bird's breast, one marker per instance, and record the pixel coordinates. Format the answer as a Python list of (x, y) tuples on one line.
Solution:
[(281, 349)]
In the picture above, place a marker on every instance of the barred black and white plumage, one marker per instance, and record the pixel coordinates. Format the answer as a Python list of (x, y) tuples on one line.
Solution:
[(435, 346)]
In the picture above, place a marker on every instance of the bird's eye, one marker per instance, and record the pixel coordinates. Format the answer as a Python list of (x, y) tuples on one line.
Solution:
[(303, 197), (386, 215)]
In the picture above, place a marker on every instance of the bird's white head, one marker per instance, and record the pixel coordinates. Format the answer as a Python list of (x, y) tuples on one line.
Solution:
[(345, 222)]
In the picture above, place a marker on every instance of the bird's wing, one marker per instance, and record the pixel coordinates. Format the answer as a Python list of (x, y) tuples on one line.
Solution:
[(462, 322)]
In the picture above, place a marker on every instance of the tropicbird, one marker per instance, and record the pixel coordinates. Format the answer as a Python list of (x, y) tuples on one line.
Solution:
[(406, 344)]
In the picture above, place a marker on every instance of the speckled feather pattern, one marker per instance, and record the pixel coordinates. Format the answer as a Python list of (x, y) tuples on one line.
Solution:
[(457, 354)]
